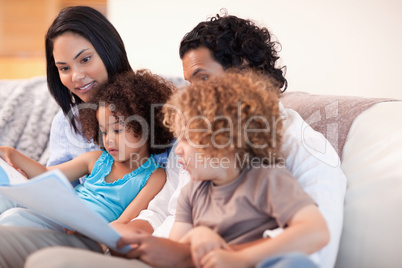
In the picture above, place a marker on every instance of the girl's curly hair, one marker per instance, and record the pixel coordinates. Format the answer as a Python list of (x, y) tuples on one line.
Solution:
[(138, 93), (237, 113), (239, 43)]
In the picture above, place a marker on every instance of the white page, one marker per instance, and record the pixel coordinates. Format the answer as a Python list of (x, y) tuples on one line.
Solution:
[(9, 175), (52, 195)]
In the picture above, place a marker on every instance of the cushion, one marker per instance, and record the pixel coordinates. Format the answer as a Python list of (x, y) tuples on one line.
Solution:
[(26, 113), (330, 115), (372, 156)]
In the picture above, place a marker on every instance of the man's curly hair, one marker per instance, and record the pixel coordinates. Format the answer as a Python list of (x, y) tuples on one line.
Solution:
[(236, 113), (140, 94), (239, 43)]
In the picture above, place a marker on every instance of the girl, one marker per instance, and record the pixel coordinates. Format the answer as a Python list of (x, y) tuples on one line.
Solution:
[(229, 137), (124, 177)]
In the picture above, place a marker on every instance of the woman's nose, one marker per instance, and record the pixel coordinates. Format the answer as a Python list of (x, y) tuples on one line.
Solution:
[(78, 75)]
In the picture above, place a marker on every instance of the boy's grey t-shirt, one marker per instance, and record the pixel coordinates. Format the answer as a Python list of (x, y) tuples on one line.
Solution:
[(259, 199)]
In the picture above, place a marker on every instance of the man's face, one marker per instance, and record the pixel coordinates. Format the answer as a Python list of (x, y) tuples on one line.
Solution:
[(198, 64)]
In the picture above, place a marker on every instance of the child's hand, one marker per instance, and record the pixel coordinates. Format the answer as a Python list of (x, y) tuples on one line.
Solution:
[(221, 258), (5, 154), (203, 240)]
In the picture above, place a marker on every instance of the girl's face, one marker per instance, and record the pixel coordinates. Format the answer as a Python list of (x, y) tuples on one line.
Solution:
[(120, 141), (80, 67)]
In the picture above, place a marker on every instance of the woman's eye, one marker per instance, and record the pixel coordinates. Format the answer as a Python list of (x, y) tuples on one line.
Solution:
[(63, 69), (86, 59), (117, 130)]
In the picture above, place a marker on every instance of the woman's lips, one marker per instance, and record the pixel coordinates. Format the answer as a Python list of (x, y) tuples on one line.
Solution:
[(86, 87)]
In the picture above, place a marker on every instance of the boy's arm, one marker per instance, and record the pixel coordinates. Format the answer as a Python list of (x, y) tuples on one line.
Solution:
[(307, 232), (179, 230)]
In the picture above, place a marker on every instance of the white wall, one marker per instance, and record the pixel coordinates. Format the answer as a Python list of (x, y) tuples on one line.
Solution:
[(342, 47)]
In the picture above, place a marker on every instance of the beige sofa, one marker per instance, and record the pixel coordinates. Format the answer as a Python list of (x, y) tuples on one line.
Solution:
[(367, 134)]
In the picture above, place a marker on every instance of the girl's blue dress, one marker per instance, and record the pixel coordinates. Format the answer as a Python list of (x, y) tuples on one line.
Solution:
[(111, 199)]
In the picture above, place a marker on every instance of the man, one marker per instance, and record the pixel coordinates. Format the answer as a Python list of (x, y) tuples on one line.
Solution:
[(208, 50)]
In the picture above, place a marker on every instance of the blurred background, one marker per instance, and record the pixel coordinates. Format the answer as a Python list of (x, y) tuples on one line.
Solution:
[(333, 47), (23, 25)]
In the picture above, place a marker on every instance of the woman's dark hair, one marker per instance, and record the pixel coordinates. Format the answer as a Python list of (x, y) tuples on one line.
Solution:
[(140, 94), (236, 42), (93, 26)]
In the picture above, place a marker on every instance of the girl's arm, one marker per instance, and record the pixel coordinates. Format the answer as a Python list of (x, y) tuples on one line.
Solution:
[(152, 187), (79, 166), (307, 232), (73, 169), (18, 160)]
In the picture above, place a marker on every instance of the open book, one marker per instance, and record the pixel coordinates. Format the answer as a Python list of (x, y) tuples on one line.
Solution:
[(52, 195)]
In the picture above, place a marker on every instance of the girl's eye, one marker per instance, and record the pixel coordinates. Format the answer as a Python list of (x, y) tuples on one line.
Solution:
[(117, 130)]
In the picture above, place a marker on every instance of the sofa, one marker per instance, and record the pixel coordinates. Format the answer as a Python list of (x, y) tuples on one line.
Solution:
[(366, 133)]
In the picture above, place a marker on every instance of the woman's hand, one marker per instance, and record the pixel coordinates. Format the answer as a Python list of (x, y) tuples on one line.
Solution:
[(202, 241)]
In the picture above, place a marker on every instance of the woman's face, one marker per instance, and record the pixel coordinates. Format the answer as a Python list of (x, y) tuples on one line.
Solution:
[(80, 67)]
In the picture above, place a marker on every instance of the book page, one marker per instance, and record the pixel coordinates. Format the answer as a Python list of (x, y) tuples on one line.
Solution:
[(9, 175), (52, 195)]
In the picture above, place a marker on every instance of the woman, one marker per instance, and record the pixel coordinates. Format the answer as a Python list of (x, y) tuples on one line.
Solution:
[(83, 50)]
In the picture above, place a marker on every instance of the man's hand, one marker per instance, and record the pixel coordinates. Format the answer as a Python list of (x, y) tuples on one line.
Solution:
[(156, 251)]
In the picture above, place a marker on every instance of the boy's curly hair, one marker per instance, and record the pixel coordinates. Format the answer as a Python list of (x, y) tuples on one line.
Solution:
[(237, 113), (139, 93)]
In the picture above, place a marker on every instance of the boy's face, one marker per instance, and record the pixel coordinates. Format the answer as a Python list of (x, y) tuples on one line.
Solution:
[(120, 141), (198, 64), (201, 165)]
